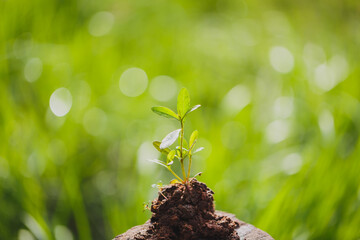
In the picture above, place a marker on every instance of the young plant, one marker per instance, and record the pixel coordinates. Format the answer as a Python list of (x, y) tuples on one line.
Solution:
[(185, 150)]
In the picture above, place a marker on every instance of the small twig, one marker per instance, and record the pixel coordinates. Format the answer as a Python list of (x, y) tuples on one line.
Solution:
[(163, 194)]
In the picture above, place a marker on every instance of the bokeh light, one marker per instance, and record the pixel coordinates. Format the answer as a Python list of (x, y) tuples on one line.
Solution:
[(292, 163), (283, 107), (326, 123), (33, 69), (61, 101), (145, 153), (281, 59), (163, 88), (236, 99), (25, 235), (133, 82), (101, 24), (277, 131), (62, 232), (34, 226)]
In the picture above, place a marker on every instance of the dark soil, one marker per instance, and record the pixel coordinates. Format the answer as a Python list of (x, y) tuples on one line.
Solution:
[(187, 212)]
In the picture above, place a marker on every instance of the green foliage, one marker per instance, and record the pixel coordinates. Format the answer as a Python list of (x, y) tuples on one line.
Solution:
[(193, 109), (193, 139), (183, 103), (184, 150), (165, 112), (198, 150), (158, 162), (170, 139), (157, 146), (87, 171)]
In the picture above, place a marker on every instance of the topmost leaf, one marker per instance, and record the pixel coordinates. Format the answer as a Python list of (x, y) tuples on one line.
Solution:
[(165, 112), (183, 102)]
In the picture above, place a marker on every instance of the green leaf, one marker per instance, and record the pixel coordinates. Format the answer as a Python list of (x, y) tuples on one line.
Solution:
[(174, 181), (165, 112), (183, 102), (193, 109), (158, 162), (193, 139), (170, 139), (171, 156), (198, 150), (157, 146)]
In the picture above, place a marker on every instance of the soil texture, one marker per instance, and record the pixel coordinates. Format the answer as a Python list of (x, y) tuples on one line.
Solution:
[(187, 212)]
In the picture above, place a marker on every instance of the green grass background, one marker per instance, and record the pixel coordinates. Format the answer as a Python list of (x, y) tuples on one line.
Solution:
[(281, 147)]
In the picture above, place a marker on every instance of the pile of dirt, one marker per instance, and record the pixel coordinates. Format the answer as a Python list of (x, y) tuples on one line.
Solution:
[(187, 212)]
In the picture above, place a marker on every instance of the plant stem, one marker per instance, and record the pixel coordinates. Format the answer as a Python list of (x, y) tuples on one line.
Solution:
[(178, 178), (181, 138), (188, 176), (181, 150)]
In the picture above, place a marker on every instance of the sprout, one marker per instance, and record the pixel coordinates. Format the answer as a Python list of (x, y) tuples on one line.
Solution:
[(185, 150)]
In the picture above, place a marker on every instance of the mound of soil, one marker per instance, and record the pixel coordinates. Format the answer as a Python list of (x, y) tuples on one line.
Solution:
[(187, 212)]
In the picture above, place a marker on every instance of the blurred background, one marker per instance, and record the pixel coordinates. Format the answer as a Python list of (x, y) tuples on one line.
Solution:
[(279, 86)]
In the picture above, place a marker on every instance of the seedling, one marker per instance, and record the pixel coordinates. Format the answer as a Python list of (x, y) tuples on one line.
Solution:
[(185, 150)]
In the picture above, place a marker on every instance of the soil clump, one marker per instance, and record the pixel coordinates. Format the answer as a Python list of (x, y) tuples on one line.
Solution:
[(187, 212)]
